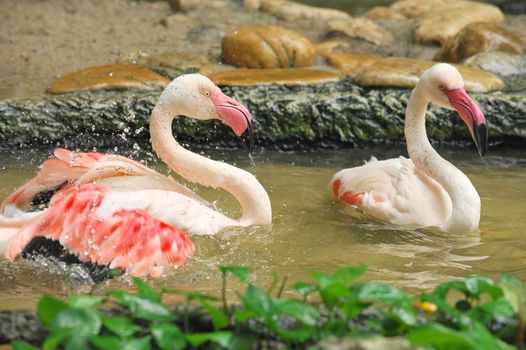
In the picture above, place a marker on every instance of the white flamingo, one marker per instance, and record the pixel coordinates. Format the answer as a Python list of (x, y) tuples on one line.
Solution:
[(425, 190), (115, 210)]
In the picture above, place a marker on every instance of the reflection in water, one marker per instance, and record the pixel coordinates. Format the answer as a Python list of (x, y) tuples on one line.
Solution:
[(311, 231)]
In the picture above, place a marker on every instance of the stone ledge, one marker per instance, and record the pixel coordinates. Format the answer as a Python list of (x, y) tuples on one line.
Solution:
[(286, 117)]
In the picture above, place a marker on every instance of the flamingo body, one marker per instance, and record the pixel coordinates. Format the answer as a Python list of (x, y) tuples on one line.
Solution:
[(394, 191)]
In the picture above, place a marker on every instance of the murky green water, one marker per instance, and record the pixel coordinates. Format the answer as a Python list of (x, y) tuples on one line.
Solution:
[(311, 231)]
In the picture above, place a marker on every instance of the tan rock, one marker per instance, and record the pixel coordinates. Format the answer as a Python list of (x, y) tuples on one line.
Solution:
[(442, 23), (329, 46), (476, 38), (184, 5), (178, 20), (382, 12), (405, 72), (109, 77), (174, 59), (267, 47), (416, 8), (361, 28), (252, 5), (288, 76), (290, 10), (350, 64)]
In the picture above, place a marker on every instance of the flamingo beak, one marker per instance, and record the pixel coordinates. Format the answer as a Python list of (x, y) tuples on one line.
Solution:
[(232, 113), (472, 115)]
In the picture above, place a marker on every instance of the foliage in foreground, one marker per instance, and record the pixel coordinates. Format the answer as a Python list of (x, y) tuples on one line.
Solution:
[(123, 320)]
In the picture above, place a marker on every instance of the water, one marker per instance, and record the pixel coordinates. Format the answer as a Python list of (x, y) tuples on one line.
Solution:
[(311, 231)]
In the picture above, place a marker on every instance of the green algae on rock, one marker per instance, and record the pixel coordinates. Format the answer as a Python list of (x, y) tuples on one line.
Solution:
[(267, 47), (285, 117), (109, 77)]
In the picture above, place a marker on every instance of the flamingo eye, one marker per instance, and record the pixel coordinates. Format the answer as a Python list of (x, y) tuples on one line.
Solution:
[(442, 87)]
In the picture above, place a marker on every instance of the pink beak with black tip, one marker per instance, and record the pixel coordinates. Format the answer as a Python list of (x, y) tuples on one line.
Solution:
[(232, 112), (472, 115)]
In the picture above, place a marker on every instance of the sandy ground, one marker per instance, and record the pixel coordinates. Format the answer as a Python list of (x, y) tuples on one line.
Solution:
[(41, 39)]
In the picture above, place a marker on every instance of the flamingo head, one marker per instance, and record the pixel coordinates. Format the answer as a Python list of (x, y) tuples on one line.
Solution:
[(196, 96), (444, 86)]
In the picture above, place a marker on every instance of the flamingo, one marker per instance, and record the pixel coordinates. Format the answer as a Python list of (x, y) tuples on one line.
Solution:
[(424, 190), (113, 210)]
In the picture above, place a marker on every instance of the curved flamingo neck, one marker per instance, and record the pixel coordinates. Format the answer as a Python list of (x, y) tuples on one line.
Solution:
[(250, 194), (465, 201)]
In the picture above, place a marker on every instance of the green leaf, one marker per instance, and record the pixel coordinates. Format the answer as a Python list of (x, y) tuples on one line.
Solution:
[(513, 291), (488, 341), (347, 275), (142, 308), (145, 291), (84, 322), (221, 338), (476, 285), (305, 288), (353, 308), (374, 291), (441, 337), (243, 341), (48, 307), (299, 334), (323, 279), (168, 336), (244, 314), (190, 296), (255, 299), (219, 318), (443, 289), (80, 301), (299, 310), (239, 271), (21, 345), (113, 343), (55, 339), (404, 314), (334, 293), (120, 325)]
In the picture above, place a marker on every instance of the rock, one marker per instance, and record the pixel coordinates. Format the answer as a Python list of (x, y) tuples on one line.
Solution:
[(290, 10), (184, 5), (479, 37), (382, 12), (351, 65), (361, 28), (175, 63), (326, 47), (287, 77), (443, 22), (405, 72), (109, 77), (417, 8), (500, 63), (286, 117), (267, 47), (252, 5)]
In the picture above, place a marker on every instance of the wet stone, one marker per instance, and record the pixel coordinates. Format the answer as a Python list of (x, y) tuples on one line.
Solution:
[(109, 77), (290, 10), (444, 21), (267, 47), (476, 38), (405, 72), (288, 77), (351, 65), (382, 12), (174, 63), (361, 28)]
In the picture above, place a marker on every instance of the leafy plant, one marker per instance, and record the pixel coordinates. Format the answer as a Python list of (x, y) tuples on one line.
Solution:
[(486, 315)]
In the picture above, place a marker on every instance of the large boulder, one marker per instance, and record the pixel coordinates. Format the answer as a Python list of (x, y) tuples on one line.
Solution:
[(109, 77), (361, 28), (479, 37), (267, 47)]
